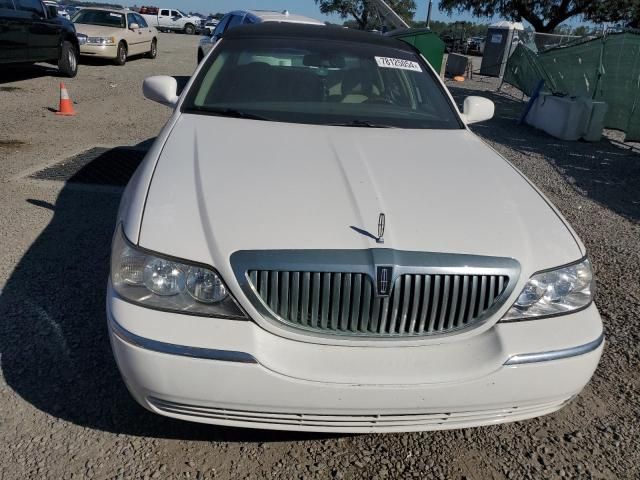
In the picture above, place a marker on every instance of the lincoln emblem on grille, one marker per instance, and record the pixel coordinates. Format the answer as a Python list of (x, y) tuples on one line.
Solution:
[(383, 281), (381, 225)]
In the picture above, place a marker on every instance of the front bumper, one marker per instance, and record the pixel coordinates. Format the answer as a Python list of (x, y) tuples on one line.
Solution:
[(240, 380), (101, 51)]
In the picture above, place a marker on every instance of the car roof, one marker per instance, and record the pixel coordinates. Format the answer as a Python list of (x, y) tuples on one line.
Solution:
[(275, 16), (105, 9), (314, 32), (272, 16)]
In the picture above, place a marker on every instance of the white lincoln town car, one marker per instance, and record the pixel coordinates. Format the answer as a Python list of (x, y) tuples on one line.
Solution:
[(316, 241)]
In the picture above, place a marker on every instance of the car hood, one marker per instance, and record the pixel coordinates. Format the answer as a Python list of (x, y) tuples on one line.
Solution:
[(224, 185), (98, 30)]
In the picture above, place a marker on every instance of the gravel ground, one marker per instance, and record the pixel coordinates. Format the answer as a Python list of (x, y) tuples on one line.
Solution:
[(65, 412)]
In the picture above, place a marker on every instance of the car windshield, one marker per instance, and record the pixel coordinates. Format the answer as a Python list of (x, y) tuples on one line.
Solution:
[(327, 82), (100, 17)]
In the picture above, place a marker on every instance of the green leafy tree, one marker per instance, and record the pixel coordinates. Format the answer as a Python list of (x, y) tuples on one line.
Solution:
[(543, 15), (626, 12), (581, 31), (363, 13)]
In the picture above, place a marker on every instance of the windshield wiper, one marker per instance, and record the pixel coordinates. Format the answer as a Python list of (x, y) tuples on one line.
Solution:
[(361, 124), (229, 112)]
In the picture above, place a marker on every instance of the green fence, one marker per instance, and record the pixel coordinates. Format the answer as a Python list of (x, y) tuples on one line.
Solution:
[(605, 69)]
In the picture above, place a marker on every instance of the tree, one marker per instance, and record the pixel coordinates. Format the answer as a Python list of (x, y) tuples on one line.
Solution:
[(624, 11), (581, 31), (364, 13), (543, 15)]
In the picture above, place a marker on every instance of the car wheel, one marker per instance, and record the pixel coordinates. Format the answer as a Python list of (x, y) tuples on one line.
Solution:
[(121, 59), (189, 29), (153, 53), (68, 61)]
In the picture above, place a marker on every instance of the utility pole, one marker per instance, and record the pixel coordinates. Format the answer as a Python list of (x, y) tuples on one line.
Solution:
[(429, 13)]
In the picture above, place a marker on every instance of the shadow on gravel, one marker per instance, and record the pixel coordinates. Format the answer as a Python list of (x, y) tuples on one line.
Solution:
[(54, 348), (101, 62), (17, 73), (601, 171)]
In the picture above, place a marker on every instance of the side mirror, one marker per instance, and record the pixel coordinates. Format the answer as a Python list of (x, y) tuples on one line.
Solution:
[(134, 26), (52, 11), (162, 89), (477, 109)]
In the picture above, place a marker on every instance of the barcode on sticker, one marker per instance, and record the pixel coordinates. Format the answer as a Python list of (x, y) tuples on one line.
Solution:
[(386, 62)]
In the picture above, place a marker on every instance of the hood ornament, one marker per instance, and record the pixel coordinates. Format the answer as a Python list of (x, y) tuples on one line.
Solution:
[(381, 225)]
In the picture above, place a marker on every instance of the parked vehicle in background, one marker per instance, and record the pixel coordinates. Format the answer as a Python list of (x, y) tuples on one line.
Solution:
[(62, 12), (210, 26), (31, 32), (248, 17), (246, 292), (71, 10), (115, 34), (475, 45), (171, 20)]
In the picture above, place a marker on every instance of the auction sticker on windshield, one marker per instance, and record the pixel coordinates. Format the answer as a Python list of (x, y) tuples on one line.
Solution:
[(386, 62)]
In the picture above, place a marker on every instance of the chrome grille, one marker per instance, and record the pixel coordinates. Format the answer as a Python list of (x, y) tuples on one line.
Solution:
[(346, 303)]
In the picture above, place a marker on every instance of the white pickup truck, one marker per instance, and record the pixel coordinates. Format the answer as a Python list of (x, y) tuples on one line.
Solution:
[(172, 19)]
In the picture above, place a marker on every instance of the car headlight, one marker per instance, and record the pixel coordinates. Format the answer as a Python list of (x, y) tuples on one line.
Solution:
[(155, 281), (82, 38), (102, 40), (554, 292)]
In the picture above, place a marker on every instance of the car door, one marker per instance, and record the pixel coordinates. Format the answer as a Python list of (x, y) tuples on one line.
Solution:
[(43, 33), (145, 31), (13, 34), (135, 39), (177, 22), (164, 18)]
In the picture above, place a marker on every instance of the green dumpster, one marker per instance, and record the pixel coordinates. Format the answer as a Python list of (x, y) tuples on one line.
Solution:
[(427, 42)]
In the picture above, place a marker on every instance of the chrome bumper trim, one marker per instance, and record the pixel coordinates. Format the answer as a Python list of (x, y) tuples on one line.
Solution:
[(555, 354), (179, 350)]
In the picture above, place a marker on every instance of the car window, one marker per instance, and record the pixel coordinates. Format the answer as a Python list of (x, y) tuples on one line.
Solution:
[(164, 13), (101, 18), (248, 20), (6, 4), (324, 82), (31, 6), (131, 18), (222, 25), (175, 13), (235, 21), (141, 21)]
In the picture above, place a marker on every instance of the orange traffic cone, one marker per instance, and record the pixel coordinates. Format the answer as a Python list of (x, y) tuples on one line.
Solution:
[(66, 106)]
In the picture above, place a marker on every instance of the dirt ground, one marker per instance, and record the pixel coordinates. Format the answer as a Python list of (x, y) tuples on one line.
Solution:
[(64, 411)]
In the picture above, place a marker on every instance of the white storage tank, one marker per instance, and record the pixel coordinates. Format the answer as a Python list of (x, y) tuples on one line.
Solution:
[(563, 117)]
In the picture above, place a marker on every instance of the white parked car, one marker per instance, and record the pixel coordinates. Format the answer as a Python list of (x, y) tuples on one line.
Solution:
[(316, 241), (248, 17), (210, 26)]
